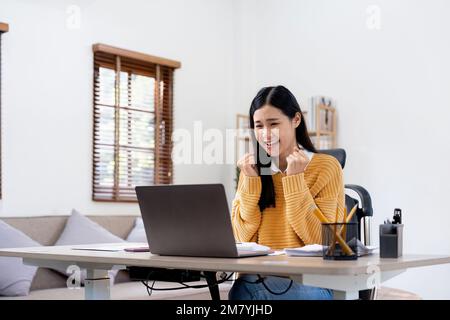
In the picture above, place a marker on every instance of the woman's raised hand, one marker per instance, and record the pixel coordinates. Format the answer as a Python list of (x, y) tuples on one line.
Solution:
[(296, 162), (247, 164)]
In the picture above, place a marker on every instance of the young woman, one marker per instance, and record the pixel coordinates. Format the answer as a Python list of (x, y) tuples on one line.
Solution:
[(275, 207)]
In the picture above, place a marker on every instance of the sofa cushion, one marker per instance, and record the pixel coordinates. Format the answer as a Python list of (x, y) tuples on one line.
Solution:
[(82, 230), (47, 229), (47, 278), (137, 234), (15, 277)]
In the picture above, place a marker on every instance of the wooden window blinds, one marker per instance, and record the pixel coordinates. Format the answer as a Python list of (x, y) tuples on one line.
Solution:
[(133, 122), (4, 27)]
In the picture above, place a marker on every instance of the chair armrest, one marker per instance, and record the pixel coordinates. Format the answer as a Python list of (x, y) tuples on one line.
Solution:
[(366, 201)]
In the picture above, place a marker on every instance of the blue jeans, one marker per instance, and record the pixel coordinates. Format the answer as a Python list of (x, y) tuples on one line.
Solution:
[(242, 290)]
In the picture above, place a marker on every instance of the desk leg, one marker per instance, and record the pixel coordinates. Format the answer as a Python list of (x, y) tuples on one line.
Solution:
[(211, 280), (97, 285), (347, 287), (345, 295)]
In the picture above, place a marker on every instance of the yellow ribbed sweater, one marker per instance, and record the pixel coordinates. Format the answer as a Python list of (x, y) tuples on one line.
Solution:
[(292, 222)]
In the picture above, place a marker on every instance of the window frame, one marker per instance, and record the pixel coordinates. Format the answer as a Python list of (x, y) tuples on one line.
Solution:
[(162, 70)]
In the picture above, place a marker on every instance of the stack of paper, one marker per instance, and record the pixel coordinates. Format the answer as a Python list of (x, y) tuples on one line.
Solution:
[(251, 246), (312, 250), (316, 250), (362, 249)]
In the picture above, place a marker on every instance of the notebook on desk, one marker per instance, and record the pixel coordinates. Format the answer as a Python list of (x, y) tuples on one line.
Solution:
[(190, 220)]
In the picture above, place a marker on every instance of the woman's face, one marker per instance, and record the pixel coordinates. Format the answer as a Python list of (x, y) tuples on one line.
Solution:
[(274, 130)]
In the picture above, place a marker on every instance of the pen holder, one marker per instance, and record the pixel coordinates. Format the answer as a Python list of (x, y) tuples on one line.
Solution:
[(339, 241), (391, 240)]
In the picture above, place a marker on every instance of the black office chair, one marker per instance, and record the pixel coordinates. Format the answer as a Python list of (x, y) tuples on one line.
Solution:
[(363, 214)]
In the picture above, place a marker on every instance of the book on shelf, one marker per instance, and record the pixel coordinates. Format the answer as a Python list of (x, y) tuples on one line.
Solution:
[(325, 116), (323, 142)]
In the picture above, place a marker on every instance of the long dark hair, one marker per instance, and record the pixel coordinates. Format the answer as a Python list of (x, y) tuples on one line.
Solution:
[(281, 98)]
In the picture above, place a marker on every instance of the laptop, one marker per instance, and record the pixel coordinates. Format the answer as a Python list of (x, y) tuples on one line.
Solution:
[(189, 220)]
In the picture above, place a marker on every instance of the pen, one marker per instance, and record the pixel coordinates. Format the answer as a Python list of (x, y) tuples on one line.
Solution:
[(347, 220), (352, 212), (344, 227)]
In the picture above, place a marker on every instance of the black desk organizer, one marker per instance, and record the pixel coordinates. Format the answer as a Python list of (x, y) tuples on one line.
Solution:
[(391, 240)]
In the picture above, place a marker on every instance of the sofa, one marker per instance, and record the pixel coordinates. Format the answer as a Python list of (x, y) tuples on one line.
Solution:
[(48, 284)]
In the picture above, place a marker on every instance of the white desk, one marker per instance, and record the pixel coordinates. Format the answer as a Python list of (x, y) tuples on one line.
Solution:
[(345, 278)]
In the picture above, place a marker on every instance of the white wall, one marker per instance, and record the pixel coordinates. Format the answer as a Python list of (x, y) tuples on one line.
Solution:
[(47, 84), (392, 89), (391, 84)]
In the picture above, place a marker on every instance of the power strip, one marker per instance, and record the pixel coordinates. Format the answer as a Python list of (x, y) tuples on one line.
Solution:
[(161, 274)]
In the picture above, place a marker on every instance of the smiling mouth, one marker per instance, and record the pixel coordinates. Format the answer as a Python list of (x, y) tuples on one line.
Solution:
[(270, 145)]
